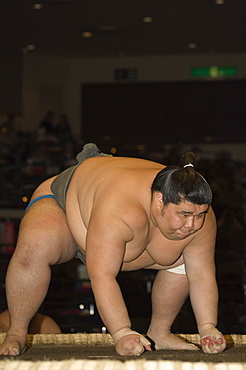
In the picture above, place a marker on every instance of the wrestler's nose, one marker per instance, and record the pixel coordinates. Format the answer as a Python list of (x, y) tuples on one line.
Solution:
[(189, 223)]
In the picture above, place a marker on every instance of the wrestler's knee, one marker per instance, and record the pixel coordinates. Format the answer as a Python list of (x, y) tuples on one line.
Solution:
[(35, 244)]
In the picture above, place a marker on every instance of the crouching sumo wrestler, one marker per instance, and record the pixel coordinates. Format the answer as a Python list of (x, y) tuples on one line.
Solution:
[(117, 213)]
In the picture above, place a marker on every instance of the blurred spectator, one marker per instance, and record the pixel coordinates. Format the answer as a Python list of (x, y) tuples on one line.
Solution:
[(37, 161), (10, 126), (226, 192), (70, 151), (8, 139), (47, 122), (63, 130), (175, 154)]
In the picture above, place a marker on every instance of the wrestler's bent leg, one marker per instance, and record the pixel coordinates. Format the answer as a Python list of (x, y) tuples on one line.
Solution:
[(170, 290), (44, 240)]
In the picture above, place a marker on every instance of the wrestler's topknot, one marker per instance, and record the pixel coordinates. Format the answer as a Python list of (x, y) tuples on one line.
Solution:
[(182, 183), (188, 159)]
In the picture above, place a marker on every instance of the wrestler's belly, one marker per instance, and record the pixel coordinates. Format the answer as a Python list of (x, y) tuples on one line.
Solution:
[(144, 261)]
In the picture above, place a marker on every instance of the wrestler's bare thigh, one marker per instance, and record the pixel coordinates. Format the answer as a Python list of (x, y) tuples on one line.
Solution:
[(44, 231)]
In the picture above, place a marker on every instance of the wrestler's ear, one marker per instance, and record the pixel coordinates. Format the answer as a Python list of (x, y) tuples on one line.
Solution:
[(158, 199)]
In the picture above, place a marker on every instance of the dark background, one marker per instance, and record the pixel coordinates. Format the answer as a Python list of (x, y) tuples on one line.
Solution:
[(158, 113)]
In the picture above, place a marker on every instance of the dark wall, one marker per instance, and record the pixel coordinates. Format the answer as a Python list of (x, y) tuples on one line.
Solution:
[(11, 82), (164, 112)]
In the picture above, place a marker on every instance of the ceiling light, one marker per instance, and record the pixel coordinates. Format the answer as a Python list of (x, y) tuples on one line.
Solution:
[(31, 47), (192, 45), (28, 48), (147, 19), (219, 2), (37, 6), (87, 34)]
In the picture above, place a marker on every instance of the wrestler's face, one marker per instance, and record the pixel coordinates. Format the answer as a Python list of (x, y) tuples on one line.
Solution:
[(179, 221)]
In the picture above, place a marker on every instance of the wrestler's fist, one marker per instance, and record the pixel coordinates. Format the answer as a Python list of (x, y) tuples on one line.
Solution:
[(132, 345), (212, 340)]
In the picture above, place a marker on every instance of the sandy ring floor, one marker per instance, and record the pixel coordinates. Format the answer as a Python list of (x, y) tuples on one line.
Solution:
[(97, 352)]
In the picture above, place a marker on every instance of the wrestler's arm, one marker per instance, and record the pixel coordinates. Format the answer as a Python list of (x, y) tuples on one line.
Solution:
[(200, 269), (107, 236)]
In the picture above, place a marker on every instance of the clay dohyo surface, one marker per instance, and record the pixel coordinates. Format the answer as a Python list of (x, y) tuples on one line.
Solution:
[(83, 346), (59, 352)]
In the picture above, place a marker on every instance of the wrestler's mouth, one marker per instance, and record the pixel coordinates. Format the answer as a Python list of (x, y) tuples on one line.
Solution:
[(183, 234)]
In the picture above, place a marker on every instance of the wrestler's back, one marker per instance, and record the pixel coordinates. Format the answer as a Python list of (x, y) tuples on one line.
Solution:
[(108, 182)]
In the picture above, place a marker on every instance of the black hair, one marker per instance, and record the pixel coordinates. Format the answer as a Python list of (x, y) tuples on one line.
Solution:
[(182, 183)]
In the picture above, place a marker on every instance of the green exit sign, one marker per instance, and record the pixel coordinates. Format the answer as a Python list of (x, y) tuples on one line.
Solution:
[(213, 71)]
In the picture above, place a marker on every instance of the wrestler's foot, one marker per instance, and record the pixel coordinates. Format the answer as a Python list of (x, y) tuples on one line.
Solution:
[(13, 345), (171, 341)]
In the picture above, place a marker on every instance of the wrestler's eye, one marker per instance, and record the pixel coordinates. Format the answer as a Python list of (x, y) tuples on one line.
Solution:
[(184, 215), (200, 216)]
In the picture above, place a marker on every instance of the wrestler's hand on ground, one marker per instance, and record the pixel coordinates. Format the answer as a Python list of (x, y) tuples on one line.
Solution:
[(212, 341), (130, 343)]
